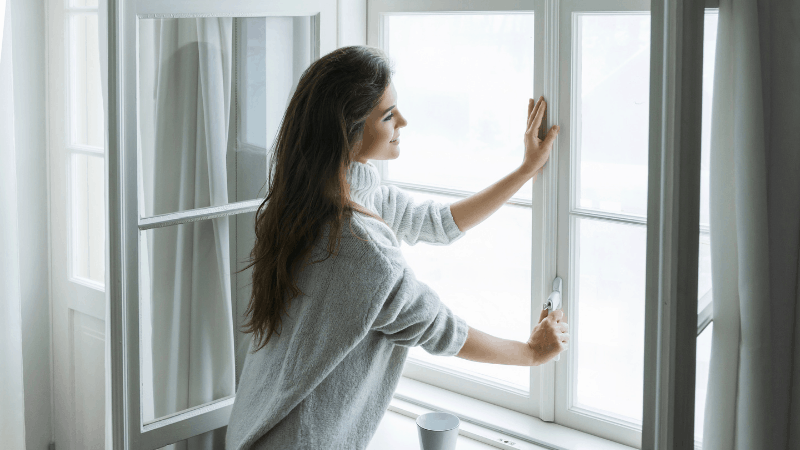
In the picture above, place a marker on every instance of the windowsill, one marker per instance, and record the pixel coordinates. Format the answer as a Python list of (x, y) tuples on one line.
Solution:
[(490, 423)]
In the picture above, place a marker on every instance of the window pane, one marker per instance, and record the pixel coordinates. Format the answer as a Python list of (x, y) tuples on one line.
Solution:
[(186, 341), (613, 111), (261, 104), (704, 272), (87, 207), (252, 85), (485, 278), (709, 51), (701, 377), (609, 281), (704, 293), (185, 123), (463, 83), (85, 100)]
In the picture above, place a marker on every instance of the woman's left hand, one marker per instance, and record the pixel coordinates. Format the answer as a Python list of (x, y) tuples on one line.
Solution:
[(537, 151)]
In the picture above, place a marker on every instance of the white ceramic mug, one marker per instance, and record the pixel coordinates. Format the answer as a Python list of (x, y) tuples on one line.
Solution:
[(437, 431)]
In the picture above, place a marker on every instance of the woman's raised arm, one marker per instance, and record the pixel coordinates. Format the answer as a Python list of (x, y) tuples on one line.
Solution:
[(477, 207)]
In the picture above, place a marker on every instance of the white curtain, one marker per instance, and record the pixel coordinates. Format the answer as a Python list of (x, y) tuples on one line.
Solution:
[(12, 400), (189, 270), (753, 399)]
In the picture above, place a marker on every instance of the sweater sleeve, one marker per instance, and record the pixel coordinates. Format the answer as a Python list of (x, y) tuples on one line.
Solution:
[(426, 221), (412, 315)]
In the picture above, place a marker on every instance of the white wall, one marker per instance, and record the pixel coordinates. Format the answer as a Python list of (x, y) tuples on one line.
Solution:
[(32, 215), (352, 22)]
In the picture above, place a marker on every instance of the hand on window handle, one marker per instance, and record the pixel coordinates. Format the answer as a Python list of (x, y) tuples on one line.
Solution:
[(550, 336), (537, 151)]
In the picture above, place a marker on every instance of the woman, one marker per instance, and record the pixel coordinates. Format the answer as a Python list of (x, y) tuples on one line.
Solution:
[(344, 311)]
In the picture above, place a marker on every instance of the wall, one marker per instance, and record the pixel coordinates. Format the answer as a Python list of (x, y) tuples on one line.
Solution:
[(352, 22), (32, 215)]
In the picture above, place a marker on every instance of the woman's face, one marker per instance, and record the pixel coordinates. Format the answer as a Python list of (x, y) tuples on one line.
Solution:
[(382, 130)]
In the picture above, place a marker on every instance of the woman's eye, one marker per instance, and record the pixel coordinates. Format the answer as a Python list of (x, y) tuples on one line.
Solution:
[(387, 119)]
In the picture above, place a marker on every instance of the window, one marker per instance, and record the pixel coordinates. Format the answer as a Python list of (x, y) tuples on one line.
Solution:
[(463, 77), (193, 179), (462, 128), (188, 255), (84, 145)]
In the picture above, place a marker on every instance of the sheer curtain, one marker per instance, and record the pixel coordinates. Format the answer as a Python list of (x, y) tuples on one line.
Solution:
[(753, 399), (12, 400)]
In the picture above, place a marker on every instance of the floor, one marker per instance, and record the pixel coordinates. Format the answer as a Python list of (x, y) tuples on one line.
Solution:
[(399, 432)]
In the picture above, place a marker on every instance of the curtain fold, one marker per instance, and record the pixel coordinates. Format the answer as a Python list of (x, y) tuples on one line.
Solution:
[(189, 270), (12, 399), (754, 374)]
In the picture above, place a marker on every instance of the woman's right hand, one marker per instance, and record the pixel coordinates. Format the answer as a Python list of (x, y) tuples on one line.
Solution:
[(537, 151), (549, 337)]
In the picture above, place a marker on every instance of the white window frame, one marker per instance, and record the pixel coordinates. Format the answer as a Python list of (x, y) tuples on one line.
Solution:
[(567, 414), (668, 310), (539, 401), (128, 431), (71, 148), (552, 79)]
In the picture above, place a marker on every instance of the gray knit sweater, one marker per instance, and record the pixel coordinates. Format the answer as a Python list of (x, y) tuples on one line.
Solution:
[(327, 380)]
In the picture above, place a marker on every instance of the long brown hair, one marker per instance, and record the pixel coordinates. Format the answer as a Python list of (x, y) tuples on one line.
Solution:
[(308, 184)]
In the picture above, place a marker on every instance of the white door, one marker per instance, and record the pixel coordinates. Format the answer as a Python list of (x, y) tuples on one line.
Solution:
[(77, 227), (202, 87)]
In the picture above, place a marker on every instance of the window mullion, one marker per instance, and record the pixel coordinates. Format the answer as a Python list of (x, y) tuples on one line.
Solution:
[(549, 253), (706, 316), (194, 215), (450, 191)]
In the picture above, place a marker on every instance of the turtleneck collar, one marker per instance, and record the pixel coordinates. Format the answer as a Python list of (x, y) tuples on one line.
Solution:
[(363, 179)]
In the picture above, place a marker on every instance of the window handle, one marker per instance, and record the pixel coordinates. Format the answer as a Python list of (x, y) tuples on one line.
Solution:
[(554, 302)]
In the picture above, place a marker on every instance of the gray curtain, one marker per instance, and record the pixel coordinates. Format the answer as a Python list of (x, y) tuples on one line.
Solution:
[(753, 399)]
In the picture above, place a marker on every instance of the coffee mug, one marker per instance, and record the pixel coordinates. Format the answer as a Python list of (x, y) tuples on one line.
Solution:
[(437, 431)]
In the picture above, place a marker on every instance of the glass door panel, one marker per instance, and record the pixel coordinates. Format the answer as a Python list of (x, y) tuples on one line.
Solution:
[(186, 316), (206, 111)]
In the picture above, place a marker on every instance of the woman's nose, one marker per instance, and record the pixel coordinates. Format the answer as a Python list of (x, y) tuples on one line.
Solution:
[(402, 122)]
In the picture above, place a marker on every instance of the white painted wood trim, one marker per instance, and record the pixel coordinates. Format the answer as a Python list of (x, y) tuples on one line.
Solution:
[(614, 428), (194, 215), (706, 316), (448, 191), (546, 227), (489, 421), (117, 426)]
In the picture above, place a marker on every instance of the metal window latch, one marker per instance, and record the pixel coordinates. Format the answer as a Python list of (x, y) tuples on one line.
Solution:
[(554, 302)]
